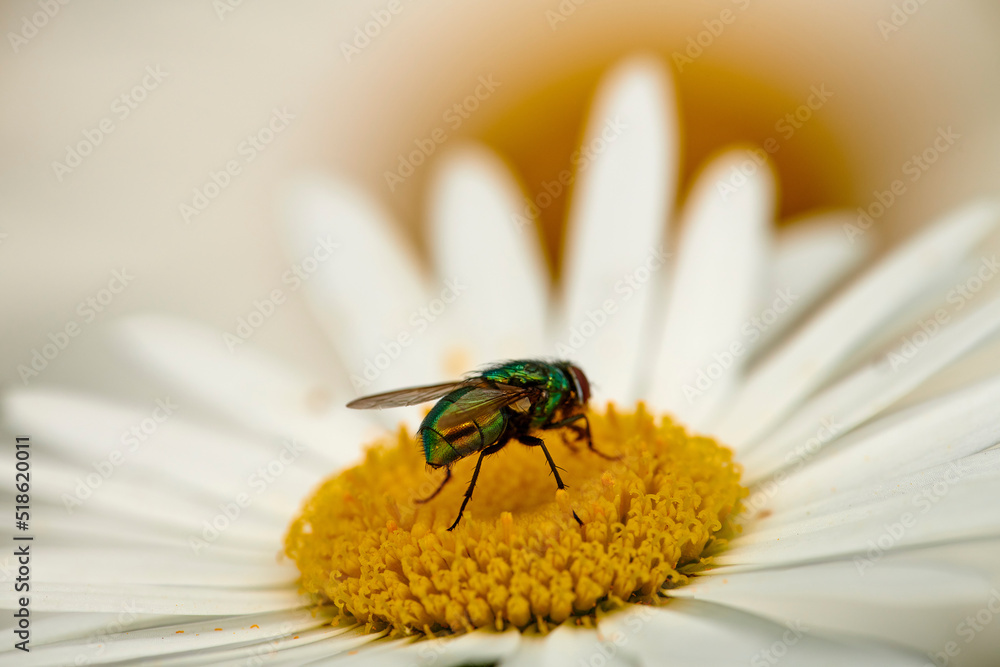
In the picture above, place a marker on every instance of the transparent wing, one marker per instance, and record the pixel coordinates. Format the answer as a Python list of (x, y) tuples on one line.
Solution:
[(483, 400), (402, 397)]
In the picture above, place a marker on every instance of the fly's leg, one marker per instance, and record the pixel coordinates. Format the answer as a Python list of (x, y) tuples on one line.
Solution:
[(447, 476), (532, 441), (582, 431), (475, 475)]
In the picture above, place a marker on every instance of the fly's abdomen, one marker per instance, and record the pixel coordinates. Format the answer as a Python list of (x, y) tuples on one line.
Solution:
[(447, 439)]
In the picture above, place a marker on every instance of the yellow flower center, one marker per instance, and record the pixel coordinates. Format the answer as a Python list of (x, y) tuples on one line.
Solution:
[(364, 543)]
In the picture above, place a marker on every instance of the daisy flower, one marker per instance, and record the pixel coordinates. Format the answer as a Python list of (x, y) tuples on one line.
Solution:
[(774, 499)]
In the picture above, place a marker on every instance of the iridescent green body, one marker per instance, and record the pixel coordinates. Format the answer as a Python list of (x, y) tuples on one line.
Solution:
[(486, 410), (550, 391)]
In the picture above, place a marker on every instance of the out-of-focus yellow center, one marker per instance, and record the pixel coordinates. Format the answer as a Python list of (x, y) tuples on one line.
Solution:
[(518, 558)]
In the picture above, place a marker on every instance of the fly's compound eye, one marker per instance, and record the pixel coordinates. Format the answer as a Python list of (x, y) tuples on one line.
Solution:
[(582, 384)]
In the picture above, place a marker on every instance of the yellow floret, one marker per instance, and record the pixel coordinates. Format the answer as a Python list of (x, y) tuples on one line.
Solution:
[(518, 558)]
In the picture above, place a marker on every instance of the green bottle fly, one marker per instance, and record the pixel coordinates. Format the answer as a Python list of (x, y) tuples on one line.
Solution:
[(488, 409)]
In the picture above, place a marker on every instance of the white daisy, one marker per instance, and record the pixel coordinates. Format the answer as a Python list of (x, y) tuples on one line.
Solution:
[(868, 534)]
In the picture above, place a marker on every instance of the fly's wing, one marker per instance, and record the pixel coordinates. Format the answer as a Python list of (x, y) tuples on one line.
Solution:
[(483, 400), (402, 397)]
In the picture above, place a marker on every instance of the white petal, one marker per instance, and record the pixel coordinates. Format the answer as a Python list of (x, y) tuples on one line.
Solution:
[(383, 653), (938, 431), (480, 245), (530, 653), (716, 287), (869, 391), (143, 510), (689, 632), (809, 259), (157, 565), (172, 639), (813, 354), (473, 648), (147, 599), (245, 384), (104, 524), (370, 291), (168, 448), (567, 646), (902, 599), (615, 252), (949, 502), (324, 643), (889, 487), (52, 627)]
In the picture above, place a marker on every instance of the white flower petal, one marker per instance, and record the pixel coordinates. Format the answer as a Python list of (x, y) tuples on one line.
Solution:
[(172, 639), (103, 523), (124, 514), (909, 485), (938, 431), (147, 599), (949, 502), (501, 310), (567, 646), (624, 190), (690, 632), (810, 357), (474, 648), (141, 510), (811, 255), (370, 292), (96, 434), (52, 627), (901, 599), (245, 384), (716, 286), (324, 643), (530, 653), (870, 390), (387, 653), (157, 565)]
